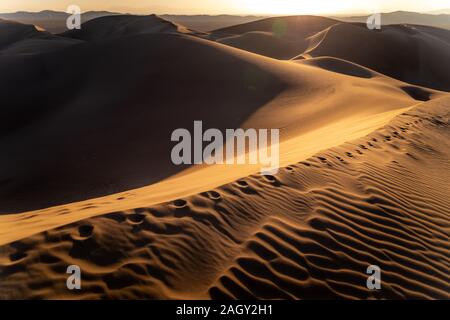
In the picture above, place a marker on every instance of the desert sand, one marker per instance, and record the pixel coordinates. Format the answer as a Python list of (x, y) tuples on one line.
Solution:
[(86, 177), (411, 53)]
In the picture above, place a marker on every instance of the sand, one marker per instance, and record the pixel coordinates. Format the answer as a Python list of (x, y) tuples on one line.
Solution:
[(117, 26), (364, 178), (410, 53), (20, 39)]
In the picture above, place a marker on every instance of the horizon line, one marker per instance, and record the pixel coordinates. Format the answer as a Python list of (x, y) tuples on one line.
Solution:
[(236, 14)]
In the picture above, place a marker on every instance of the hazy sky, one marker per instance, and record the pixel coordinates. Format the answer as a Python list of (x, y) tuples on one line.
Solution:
[(229, 6)]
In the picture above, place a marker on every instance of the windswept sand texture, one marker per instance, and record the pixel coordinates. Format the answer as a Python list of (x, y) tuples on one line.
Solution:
[(308, 232), (86, 177)]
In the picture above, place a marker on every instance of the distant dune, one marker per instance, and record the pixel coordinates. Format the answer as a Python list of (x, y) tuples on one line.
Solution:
[(17, 38), (86, 176), (442, 11), (281, 38), (52, 21), (440, 19), (207, 23), (55, 21), (409, 53), (123, 25)]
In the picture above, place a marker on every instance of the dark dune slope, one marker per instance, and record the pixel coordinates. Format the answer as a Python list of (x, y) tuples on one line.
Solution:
[(280, 38), (311, 231), (112, 109), (17, 38), (402, 52), (123, 25), (414, 54), (96, 118)]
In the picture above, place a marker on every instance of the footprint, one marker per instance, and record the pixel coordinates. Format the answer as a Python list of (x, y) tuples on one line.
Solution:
[(180, 203), (214, 195), (271, 179), (136, 218), (85, 230), (242, 184)]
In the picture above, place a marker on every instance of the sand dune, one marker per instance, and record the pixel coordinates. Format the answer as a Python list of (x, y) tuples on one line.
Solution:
[(409, 53), (299, 26), (280, 38), (116, 26), (52, 21), (207, 23), (86, 176), (308, 232), (155, 83), (17, 38), (55, 21), (402, 52), (441, 20)]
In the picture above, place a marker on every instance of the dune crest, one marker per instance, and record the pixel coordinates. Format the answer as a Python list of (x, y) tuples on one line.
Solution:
[(87, 179), (310, 231), (116, 26), (395, 50), (19, 39), (246, 90)]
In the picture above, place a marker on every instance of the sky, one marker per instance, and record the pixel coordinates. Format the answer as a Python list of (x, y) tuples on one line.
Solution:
[(270, 7)]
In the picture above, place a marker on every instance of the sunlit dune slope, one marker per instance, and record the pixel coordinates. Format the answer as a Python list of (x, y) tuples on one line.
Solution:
[(86, 176), (310, 231), (107, 127)]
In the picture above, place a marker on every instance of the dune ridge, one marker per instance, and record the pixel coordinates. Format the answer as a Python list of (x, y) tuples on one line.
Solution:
[(410, 53), (139, 105), (310, 231), (116, 26), (364, 155), (19, 39)]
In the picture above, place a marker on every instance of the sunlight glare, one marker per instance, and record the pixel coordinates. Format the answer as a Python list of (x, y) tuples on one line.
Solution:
[(290, 6)]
